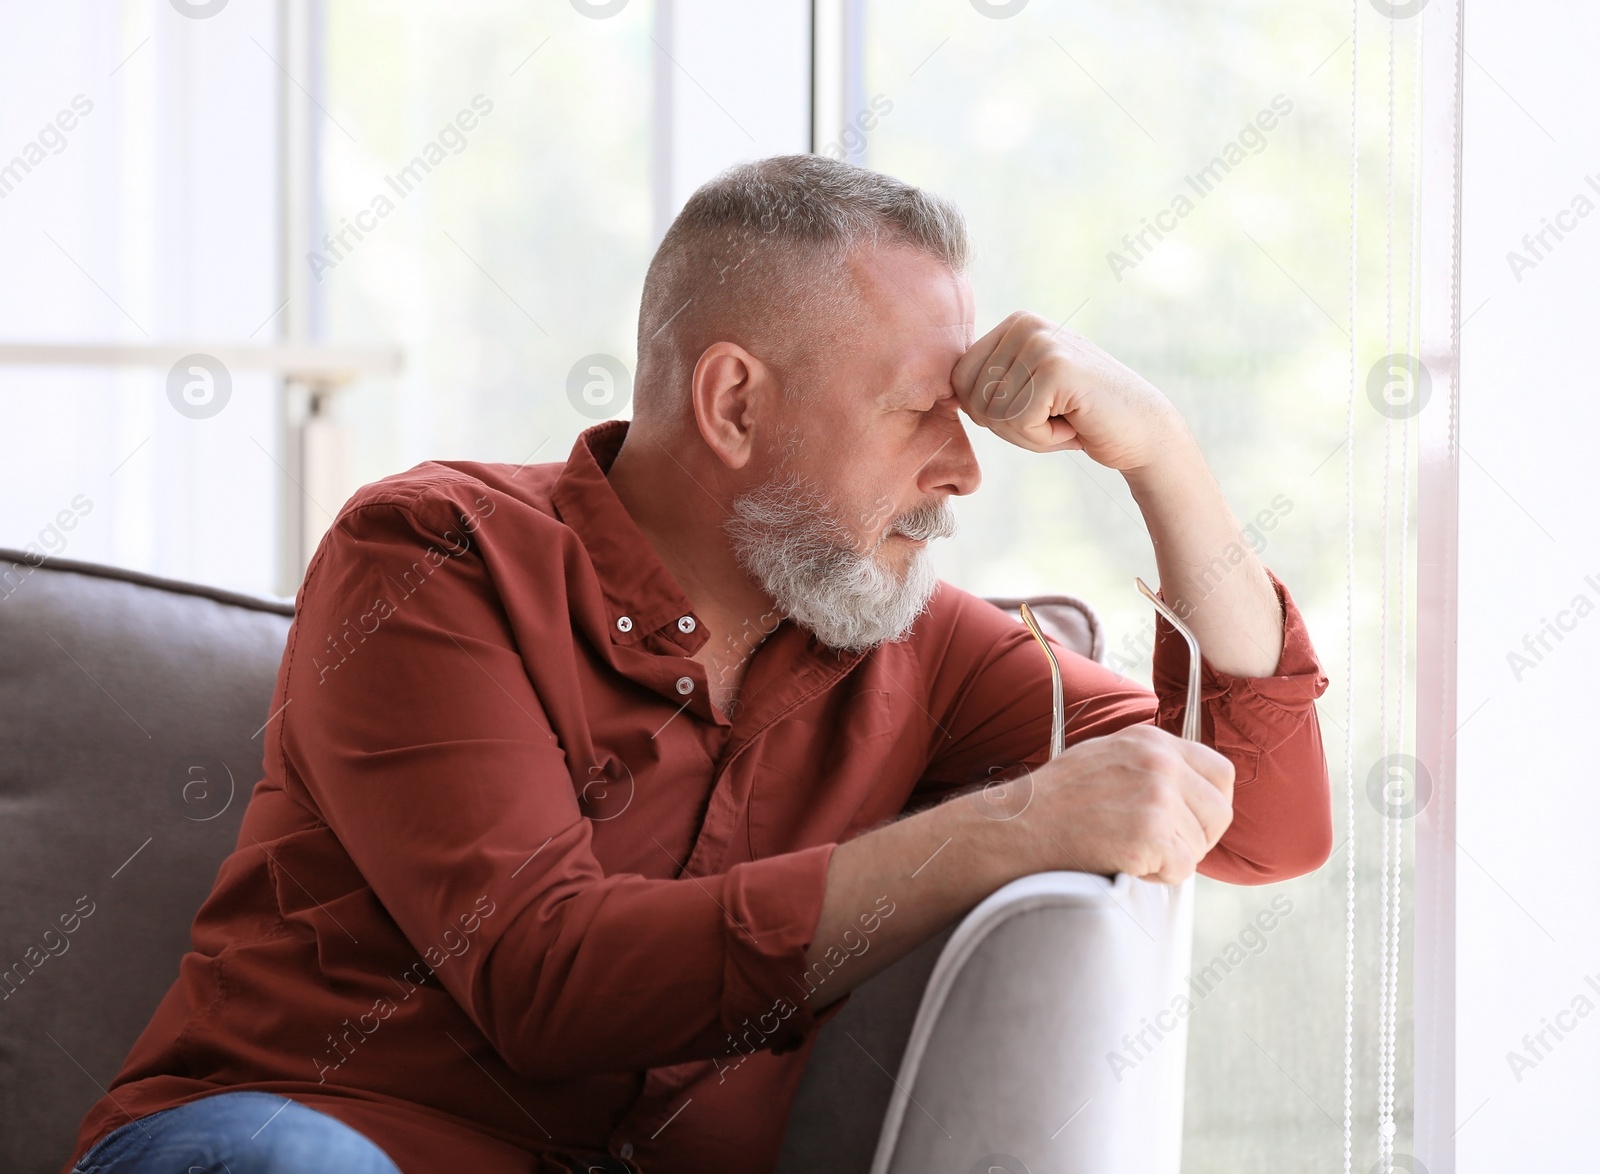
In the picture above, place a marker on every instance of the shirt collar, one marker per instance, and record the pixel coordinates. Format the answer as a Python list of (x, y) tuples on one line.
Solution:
[(641, 596)]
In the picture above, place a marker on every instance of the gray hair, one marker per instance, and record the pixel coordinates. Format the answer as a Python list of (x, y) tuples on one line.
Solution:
[(759, 251)]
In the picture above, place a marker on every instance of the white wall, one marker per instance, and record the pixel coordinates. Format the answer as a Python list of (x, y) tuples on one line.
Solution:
[(1528, 804)]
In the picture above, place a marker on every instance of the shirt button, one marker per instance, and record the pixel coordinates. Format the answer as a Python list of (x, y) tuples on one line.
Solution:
[(624, 624), (685, 685), (685, 623), (627, 1150)]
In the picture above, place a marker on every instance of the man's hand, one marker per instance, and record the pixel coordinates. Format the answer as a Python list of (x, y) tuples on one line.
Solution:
[(1046, 389), (1139, 801)]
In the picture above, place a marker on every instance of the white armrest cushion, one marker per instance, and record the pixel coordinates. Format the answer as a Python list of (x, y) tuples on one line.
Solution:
[(1020, 1057)]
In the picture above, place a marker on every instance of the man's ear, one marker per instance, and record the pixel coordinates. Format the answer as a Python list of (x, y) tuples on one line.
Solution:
[(729, 386)]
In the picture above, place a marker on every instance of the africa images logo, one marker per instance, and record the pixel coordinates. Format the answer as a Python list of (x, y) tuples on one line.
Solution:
[(198, 386)]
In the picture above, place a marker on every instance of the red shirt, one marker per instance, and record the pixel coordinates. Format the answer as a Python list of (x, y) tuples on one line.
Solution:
[(511, 886)]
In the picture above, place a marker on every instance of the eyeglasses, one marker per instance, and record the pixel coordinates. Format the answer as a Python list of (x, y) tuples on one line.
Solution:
[(1058, 708)]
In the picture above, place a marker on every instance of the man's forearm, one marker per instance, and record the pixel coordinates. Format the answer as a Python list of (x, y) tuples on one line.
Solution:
[(1139, 800), (1226, 600), (934, 866)]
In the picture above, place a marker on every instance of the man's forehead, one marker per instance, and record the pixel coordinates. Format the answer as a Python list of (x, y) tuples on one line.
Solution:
[(917, 290)]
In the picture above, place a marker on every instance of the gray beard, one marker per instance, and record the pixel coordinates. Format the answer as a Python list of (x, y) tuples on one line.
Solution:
[(788, 537)]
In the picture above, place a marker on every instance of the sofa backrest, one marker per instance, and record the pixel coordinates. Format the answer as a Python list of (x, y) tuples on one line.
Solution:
[(131, 716)]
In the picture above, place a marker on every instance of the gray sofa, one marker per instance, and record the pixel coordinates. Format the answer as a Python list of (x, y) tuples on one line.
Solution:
[(131, 710)]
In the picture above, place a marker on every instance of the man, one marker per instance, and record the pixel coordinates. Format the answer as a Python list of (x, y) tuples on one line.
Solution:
[(576, 770)]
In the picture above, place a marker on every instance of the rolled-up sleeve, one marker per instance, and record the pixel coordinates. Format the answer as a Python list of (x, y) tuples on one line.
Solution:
[(416, 733), (1268, 728)]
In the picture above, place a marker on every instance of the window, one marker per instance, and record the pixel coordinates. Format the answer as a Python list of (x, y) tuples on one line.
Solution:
[(1172, 181), (502, 155), (138, 209)]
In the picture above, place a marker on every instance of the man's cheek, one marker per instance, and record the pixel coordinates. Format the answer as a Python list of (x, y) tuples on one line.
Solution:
[(875, 513)]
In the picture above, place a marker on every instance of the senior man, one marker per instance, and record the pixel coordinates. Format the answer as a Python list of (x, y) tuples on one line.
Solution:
[(575, 770)]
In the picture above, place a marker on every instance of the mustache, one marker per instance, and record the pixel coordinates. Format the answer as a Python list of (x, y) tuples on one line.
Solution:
[(934, 520)]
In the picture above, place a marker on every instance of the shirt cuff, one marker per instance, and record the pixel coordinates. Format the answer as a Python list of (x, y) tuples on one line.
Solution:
[(1241, 717), (771, 910)]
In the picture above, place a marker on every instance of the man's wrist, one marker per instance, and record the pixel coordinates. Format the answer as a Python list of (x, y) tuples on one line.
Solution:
[(1178, 465)]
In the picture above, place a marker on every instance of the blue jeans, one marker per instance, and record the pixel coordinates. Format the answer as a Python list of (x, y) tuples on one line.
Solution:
[(236, 1133)]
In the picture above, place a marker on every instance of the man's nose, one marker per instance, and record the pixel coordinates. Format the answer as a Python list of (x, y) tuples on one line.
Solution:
[(954, 468)]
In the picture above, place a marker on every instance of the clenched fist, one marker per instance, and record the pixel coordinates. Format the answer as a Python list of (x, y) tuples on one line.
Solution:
[(1046, 389), (1140, 801)]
